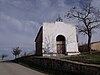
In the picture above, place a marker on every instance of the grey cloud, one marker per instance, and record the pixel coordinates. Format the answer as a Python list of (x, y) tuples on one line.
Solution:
[(14, 31)]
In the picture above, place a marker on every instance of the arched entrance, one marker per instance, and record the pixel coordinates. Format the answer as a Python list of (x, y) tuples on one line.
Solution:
[(61, 45)]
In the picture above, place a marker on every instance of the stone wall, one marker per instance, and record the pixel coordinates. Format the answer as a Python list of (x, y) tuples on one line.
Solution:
[(65, 65)]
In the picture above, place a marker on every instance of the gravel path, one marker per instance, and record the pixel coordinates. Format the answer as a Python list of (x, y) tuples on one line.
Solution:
[(7, 68)]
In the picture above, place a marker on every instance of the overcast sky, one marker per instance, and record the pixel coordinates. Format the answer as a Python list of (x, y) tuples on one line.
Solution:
[(21, 19)]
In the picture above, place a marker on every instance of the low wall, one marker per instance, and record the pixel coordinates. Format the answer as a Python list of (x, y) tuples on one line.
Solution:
[(66, 65)]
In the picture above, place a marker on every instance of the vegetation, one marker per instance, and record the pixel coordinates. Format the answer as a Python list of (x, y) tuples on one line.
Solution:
[(16, 52), (86, 58), (88, 19)]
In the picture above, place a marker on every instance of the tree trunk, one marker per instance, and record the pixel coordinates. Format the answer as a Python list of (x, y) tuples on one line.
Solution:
[(89, 44), (15, 56), (2, 58)]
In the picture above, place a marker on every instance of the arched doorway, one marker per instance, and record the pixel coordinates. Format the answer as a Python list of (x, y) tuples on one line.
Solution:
[(61, 45)]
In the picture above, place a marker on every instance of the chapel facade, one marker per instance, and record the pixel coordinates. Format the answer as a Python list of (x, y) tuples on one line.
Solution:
[(56, 39)]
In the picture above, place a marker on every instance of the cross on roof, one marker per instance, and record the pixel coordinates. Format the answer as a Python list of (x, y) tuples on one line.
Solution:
[(59, 19)]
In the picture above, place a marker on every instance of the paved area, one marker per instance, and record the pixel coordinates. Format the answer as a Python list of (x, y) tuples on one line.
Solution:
[(7, 68)]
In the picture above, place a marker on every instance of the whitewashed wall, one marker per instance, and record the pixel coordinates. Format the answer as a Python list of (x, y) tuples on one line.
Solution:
[(52, 30)]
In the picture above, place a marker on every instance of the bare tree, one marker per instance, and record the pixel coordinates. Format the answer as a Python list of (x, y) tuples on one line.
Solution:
[(25, 54), (4, 56), (48, 44), (88, 19), (16, 52)]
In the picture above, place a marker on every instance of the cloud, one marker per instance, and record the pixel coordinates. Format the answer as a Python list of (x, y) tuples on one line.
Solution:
[(37, 10), (9, 23), (96, 3), (43, 3), (16, 32), (21, 19)]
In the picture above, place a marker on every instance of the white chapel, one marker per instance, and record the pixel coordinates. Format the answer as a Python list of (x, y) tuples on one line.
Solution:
[(56, 39)]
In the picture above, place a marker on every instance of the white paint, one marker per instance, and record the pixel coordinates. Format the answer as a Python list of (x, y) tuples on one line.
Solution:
[(52, 30)]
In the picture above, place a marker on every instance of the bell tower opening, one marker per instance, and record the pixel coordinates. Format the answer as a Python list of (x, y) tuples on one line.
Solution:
[(59, 19)]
